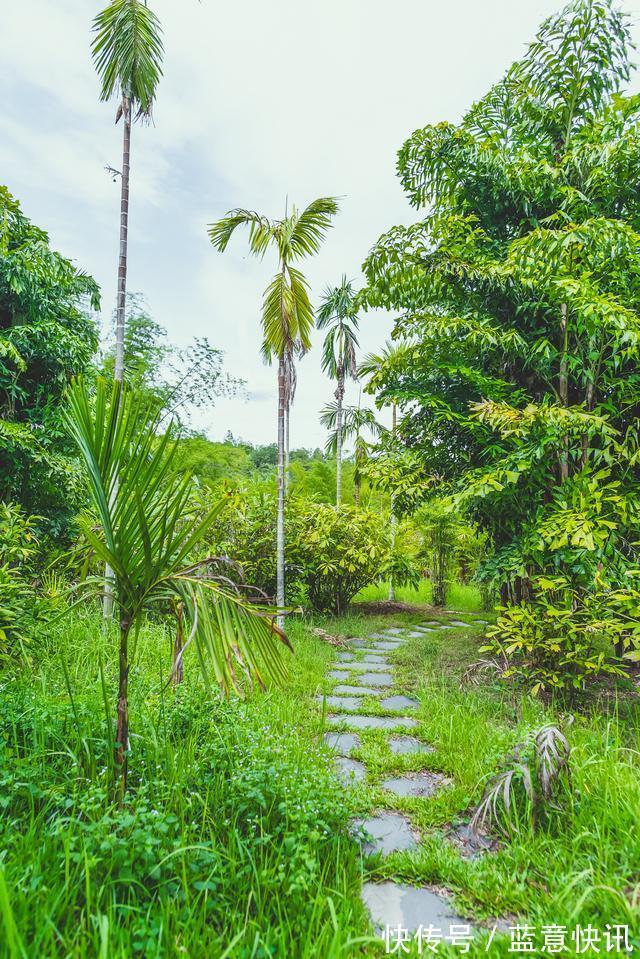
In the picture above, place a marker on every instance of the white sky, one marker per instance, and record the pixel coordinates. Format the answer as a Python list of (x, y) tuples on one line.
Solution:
[(258, 101)]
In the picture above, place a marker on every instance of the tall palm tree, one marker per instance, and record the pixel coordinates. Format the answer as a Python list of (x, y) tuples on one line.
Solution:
[(337, 314), (287, 315), (392, 356), (355, 420), (127, 53), (148, 534)]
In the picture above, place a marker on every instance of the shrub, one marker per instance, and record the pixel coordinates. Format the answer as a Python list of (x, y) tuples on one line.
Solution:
[(18, 549), (554, 642), (342, 550)]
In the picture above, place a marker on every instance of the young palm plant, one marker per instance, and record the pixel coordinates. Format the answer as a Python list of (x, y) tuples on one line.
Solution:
[(127, 53), (338, 315), (287, 315), (148, 537)]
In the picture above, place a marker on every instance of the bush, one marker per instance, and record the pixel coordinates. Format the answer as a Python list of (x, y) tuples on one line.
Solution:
[(18, 549), (553, 642), (342, 549)]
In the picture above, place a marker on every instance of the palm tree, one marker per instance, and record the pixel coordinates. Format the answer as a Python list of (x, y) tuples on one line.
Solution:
[(287, 315), (355, 419), (148, 534), (338, 314), (127, 52), (393, 355)]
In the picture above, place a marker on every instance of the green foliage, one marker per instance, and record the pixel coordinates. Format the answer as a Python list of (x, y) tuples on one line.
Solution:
[(440, 529), (47, 335), (20, 607), (342, 549), (127, 52), (519, 302), (177, 379), (557, 640)]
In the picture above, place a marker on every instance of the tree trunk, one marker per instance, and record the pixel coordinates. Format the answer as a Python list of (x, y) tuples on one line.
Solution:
[(589, 398), (286, 447), (357, 483), (394, 423), (339, 401), (177, 672), (121, 300), (563, 389), (281, 480), (122, 736)]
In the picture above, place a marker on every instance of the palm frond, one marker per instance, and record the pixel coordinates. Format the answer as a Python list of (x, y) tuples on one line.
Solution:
[(309, 228), (261, 230), (127, 51)]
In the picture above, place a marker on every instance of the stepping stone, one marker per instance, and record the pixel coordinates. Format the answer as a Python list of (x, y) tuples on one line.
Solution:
[(415, 635), (390, 639), (341, 702), (375, 679), (399, 702), (424, 629), (458, 622), (402, 745), (355, 691), (399, 906), (367, 667), (384, 645), (343, 743), (360, 643), (394, 629), (483, 622), (423, 784), (349, 770), (371, 722), (388, 832), (345, 657), (375, 658), (338, 674), (430, 622)]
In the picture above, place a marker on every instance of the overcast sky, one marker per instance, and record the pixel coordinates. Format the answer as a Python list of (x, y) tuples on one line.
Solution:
[(258, 101)]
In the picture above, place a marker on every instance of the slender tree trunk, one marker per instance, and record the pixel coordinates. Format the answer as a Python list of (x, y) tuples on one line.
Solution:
[(177, 672), (339, 402), (281, 480), (286, 447), (563, 389), (394, 423), (122, 735), (589, 398), (357, 482), (121, 300)]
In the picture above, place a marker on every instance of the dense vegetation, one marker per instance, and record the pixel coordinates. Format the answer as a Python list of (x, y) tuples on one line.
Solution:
[(164, 786)]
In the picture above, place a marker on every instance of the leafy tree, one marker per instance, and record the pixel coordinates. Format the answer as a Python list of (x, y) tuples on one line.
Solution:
[(47, 335), (127, 52), (338, 315), (176, 379), (519, 290), (287, 315), (147, 535)]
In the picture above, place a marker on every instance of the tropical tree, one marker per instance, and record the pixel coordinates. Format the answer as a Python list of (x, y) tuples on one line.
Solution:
[(520, 288), (392, 356), (338, 314), (356, 420), (287, 315), (127, 52), (149, 535), (47, 336)]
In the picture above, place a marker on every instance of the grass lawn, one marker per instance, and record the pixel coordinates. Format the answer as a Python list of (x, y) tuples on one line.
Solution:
[(234, 841)]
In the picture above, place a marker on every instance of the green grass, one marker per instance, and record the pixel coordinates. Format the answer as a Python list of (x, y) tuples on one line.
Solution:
[(459, 597), (234, 840)]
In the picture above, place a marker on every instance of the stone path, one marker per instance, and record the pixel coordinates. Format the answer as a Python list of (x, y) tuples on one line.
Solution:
[(360, 674)]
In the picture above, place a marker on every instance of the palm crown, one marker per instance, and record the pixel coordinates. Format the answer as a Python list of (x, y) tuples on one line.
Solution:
[(337, 313), (287, 315), (127, 51)]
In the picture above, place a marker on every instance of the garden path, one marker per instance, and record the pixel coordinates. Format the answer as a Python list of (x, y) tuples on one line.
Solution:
[(365, 697)]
